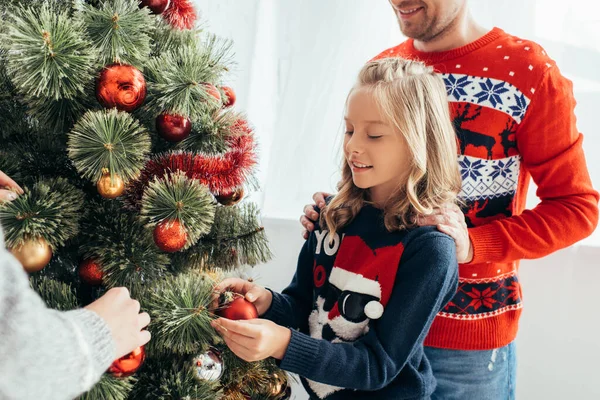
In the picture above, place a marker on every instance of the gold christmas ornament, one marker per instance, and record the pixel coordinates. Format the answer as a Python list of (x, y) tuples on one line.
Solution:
[(34, 254), (110, 188)]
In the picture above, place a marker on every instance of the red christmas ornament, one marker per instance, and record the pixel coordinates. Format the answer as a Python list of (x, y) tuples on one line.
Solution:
[(180, 14), (121, 86), (128, 364), (170, 235), (156, 6), (240, 308), (230, 94), (212, 90), (231, 198), (173, 128), (90, 272)]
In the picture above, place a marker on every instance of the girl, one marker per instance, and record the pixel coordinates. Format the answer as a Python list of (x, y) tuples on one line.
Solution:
[(369, 282)]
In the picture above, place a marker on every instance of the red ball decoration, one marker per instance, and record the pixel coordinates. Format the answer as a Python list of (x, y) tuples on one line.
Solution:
[(128, 364), (240, 308), (170, 235), (121, 86), (230, 94), (156, 6), (90, 272), (173, 128), (212, 90)]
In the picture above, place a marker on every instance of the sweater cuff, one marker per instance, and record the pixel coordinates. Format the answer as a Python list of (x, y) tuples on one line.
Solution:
[(276, 311), (487, 246), (96, 339), (301, 354)]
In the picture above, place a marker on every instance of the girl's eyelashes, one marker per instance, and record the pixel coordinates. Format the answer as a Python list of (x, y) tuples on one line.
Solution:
[(348, 132), (375, 136)]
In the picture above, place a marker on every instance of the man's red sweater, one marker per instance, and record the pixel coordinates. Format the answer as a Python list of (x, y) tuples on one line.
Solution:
[(514, 117)]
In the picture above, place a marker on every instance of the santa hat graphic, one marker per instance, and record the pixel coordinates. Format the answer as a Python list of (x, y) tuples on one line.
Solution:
[(365, 271)]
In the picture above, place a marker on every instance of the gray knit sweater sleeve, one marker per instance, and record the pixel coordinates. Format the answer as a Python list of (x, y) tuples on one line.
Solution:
[(46, 354)]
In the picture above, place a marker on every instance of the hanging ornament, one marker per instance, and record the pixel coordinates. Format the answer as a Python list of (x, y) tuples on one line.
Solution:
[(34, 254), (231, 198), (230, 94), (209, 366), (173, 128), (240, 308), (170, 235), (128, 364), (121, 86), (212, 90), (180, 14), (90, 272), (156, 6), (110, 187)]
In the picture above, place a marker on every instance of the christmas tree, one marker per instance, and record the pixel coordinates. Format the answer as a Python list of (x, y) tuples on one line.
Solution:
[(134, 163)]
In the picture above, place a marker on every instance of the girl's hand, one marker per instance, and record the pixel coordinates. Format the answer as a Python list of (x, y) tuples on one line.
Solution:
[(451, 221), (258, 295), (254, 339)]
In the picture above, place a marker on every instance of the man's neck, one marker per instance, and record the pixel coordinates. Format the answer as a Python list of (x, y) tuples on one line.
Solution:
[(462, 32)]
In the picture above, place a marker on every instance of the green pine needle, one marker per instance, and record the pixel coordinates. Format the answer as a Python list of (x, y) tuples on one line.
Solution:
[(108, 139), (176, 79), (210, 131), (50, 209), (168, 38), (236, 239), (111, 388), (50, 56), (121, 30), (179, 310), (124, 248), (57, 295), (165, 379), (177, 197)]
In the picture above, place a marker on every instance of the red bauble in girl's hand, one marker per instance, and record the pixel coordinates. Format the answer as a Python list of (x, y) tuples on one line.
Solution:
[(240, 308)]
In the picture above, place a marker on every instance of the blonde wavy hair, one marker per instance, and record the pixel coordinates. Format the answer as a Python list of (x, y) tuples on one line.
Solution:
[(412, 99)]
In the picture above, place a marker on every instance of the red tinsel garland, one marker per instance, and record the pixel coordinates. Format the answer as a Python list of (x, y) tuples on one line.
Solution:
[(180, 14), (222, 173)]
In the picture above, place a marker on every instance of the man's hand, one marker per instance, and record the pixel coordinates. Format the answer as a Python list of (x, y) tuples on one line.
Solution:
[(310, 215), (451, 221), (254, 339), (9, 190)]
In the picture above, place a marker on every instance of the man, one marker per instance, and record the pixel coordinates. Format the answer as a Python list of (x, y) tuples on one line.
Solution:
[(513, 114)]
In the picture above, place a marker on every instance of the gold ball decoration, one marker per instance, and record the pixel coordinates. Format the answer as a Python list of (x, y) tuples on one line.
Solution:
[(110, 188), (34, 254)]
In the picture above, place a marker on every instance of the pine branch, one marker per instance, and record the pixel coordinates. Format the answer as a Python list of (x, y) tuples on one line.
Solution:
[(108, 139), (124, 248), (57, 295), (50, 209), (166, 38), (180, 317), (176, 80), (175, 196), (50, 56), (111, 388), (168, 379), (120, 30), (236, 238), (37, 154), (210, 132)]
